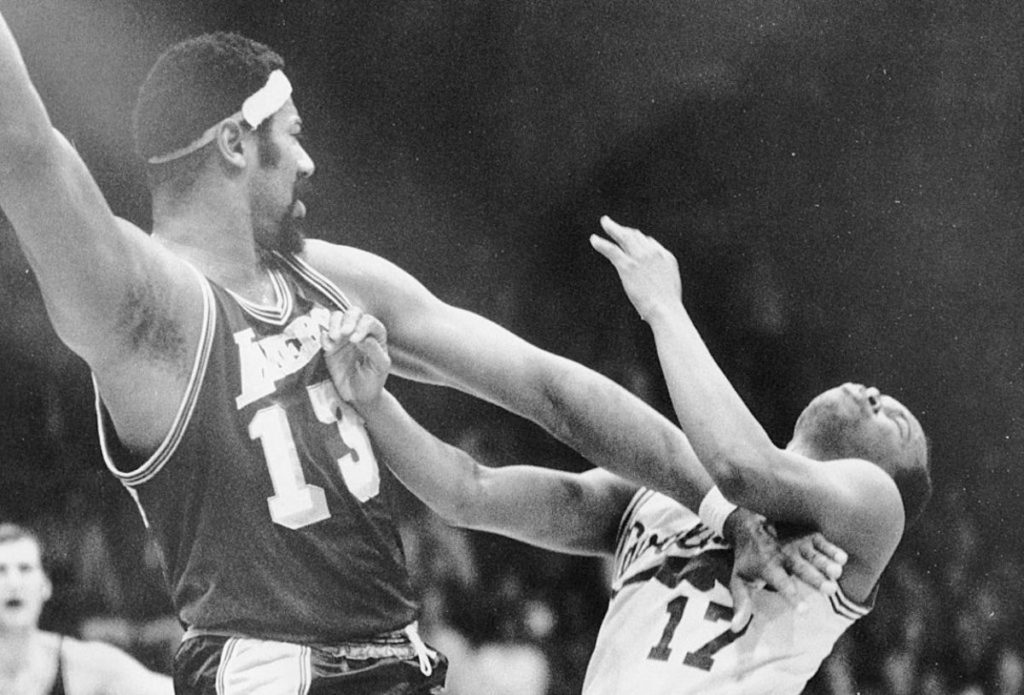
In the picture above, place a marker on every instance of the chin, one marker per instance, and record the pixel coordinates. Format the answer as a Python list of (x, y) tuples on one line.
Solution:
[(828, 427), (287, 239)]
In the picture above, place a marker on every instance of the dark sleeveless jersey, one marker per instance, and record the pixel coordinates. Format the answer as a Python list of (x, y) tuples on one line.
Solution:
[(265, 499), (58, 681)]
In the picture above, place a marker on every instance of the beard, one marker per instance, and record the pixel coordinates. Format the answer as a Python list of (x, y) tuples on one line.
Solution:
[(286, 238), (287, 235)]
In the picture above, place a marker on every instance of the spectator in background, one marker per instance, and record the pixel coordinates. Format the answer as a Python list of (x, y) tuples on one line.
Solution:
[(36, 662)]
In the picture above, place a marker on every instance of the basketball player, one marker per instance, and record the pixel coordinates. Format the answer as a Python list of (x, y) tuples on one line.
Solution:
[(34, 662), (217, 412), (856, 470)]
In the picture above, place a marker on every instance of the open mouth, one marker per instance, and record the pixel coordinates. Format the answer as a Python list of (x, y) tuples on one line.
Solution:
[(13, 603)]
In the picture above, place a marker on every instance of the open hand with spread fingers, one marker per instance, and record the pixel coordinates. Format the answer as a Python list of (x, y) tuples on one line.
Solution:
[(355, 349), (762, 560)]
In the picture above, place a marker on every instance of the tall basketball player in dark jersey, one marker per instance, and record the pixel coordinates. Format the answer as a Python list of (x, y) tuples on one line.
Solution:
[(36, 662), (216, 411)]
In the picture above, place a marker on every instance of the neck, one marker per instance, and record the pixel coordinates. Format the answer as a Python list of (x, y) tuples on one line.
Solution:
[(212, 229), (800, 446), (17, 647)]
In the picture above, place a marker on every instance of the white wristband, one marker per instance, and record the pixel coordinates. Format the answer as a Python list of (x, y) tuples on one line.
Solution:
[(714, 510)]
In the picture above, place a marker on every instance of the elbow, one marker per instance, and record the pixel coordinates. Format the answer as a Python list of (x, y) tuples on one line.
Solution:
[(734, 471), (465, 508)]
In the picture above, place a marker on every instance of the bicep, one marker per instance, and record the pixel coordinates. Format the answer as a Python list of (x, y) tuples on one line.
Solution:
[(103, 280), (852, 501), (432, 341)]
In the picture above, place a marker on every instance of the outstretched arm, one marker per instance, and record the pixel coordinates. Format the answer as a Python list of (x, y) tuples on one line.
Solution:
[(575, 513), (434, 342), (845, 499), (115, 297)]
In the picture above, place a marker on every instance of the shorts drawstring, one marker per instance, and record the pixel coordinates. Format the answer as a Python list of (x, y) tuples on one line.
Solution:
[(423, 653)]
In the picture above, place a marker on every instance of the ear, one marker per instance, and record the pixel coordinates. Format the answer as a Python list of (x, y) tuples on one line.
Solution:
[(47, 589), (231, 142)]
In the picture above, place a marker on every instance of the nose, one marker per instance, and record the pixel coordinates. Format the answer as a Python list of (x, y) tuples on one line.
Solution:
[(874, 397), (306, 165)]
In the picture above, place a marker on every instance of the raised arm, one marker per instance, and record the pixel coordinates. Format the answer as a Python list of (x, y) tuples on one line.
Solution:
[(114, 297), (852, 501)]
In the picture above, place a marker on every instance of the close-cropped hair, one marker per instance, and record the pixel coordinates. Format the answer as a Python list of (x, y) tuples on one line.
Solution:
[(193, 85), (914, 482)]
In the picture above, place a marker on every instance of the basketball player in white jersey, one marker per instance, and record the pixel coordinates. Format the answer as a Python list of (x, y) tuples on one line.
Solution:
[(36, 662)]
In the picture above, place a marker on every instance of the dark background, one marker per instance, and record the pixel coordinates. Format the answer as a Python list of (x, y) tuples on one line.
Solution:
[(840, 181)]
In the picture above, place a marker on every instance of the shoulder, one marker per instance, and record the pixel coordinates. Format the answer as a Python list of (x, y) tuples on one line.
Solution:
[(338, 261), (98, 667), (866, 518), (374, 283)]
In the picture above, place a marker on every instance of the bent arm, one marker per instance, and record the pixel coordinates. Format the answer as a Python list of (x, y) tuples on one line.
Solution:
[(434, 342), (852, 501), (566, 512)]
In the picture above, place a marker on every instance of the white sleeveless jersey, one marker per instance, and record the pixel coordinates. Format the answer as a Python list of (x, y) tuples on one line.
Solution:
[(667, 626)]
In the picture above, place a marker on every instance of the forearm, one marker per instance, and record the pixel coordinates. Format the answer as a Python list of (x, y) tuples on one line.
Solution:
[(725, 435), (442, 476), (614, 429), (24, 122), (551, 509)]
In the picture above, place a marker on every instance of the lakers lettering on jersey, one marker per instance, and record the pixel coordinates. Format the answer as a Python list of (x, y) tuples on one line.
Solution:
[(667, 629)]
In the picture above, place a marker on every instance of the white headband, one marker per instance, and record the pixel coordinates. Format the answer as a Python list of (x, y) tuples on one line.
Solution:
[(263, 104)]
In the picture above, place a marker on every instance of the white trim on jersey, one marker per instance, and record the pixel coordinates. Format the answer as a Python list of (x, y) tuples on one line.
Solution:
[(317, 279), (277, 313), (159, 458)]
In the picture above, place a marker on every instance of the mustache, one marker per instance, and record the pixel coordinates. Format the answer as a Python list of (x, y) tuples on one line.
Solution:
[(302, 189)]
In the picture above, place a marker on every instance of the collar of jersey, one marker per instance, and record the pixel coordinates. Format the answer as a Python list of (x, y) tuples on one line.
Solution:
[(277, 312)]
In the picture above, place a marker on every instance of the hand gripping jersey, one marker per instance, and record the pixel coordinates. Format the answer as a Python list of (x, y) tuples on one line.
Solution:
[(667, 627), (265, 499)]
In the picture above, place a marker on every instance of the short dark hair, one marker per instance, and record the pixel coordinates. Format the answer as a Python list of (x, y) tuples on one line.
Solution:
[(193, 85), (914, 481)]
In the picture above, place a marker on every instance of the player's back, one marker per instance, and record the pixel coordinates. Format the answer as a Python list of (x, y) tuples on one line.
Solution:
[(667, 627)]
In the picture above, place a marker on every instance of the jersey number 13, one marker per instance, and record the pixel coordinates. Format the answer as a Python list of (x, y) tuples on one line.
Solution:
[(296, 503)]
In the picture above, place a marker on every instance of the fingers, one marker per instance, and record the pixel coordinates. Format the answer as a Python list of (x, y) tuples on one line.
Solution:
[(837, 554), (824, 557), (812, 568), (779, 579), (626, 237), (375, 356), (607, 249), (351, 327), (742, 603)]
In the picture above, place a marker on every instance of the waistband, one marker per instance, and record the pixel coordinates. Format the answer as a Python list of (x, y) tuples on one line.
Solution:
[(398, 644)]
